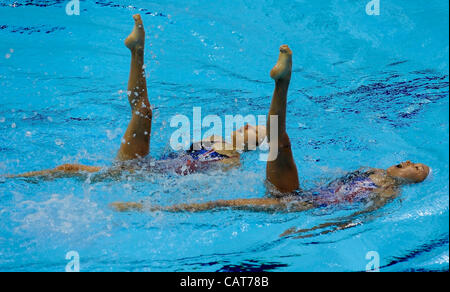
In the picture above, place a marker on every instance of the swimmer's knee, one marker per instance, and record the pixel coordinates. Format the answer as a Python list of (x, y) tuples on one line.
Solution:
[(145, 112), (284, 142), (148, 113)]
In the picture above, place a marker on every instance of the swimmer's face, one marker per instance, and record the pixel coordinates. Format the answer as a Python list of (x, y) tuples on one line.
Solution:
[(248, 137), (412, 172)]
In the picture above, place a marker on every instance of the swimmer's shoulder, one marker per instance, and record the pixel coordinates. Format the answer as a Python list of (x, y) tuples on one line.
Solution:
[(233, 158), (387, 187), (219, 145), (377, 175), (376, 172)]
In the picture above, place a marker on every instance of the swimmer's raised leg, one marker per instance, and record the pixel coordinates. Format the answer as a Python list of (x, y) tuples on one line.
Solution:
[(136, 141), (137, 137), (281, 172)]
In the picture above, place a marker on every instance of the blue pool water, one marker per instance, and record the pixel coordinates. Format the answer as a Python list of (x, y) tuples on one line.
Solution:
[(366, 91)]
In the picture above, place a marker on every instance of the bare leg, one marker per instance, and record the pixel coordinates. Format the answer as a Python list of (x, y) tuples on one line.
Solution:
[(282, 172), (256, 205), (60, 171), (136, 141), (137, 137)]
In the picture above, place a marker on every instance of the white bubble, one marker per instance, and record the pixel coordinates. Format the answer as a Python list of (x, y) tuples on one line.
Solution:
[(7, 56), (112, 134), (2, 120), (50, 119), (13, 125), (59, 142), (28, 134)]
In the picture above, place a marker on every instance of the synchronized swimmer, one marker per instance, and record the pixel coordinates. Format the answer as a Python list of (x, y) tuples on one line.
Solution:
[(377, 186)]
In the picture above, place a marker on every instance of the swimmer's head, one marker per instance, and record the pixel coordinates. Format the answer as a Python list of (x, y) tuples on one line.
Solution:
[(248, 137), (409, 172)]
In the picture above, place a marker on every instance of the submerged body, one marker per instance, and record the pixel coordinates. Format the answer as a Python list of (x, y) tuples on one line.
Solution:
[(370, 188), (202, 159), (355, 187)]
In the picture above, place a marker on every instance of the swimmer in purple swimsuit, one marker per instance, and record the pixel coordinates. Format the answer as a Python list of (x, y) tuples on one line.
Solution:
[(135, 147), (373, 186)]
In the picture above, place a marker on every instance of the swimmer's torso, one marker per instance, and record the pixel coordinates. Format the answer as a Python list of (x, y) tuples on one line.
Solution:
[(355, 187), (199, 157)]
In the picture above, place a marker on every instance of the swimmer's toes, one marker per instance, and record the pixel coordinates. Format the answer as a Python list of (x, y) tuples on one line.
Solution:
[(136, 39), (284, 64), (137, 19), (284, 49)]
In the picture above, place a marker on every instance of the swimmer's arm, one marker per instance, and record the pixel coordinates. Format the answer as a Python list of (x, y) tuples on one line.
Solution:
[(60, 171), (256, 205), (333, 226), (383, 197), (230, 163)]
